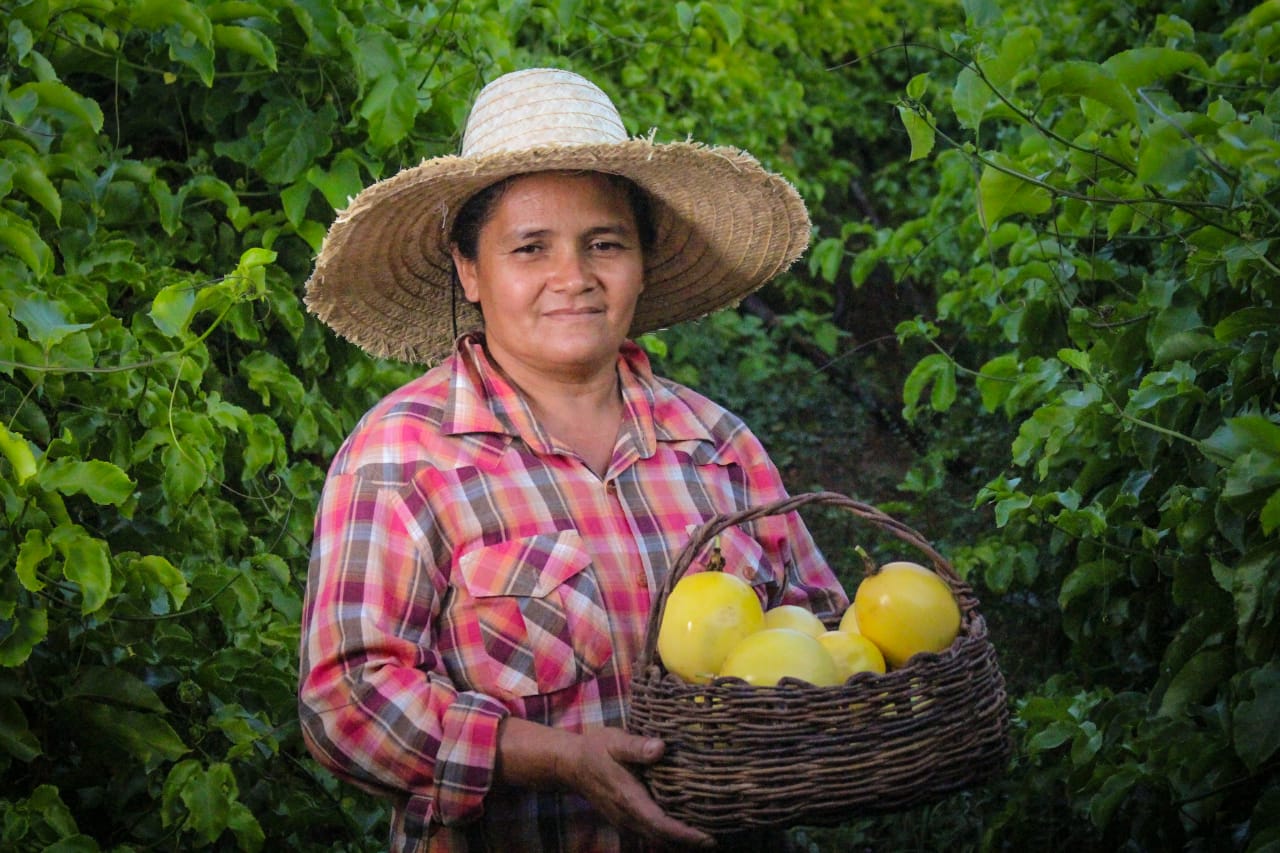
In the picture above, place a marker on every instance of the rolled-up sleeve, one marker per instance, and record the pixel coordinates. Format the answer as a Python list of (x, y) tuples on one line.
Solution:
[(376, 705)]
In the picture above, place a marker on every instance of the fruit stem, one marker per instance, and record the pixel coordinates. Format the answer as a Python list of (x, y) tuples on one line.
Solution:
[(868, 564), (715, 562)]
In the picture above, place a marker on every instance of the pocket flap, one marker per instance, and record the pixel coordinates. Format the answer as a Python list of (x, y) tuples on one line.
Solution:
[(529, 567)]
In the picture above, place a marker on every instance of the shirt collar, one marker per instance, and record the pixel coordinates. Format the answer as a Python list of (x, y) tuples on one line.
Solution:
[(481, 400)]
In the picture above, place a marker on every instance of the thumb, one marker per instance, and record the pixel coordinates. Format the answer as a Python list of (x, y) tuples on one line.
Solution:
[(635, 749)]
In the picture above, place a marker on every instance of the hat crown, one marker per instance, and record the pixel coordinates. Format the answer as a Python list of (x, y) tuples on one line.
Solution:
[(540, 107)]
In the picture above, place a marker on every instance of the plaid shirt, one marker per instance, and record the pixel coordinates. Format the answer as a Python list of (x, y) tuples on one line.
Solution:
[(466, 567)]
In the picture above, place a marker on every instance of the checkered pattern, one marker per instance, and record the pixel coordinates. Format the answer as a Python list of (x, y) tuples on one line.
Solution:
[(465, 567)]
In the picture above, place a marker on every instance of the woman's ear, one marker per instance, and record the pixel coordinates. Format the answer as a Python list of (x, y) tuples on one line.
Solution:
[(467, 276)]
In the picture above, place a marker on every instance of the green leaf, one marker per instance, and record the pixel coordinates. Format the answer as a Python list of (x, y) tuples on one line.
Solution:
[(1051, 736), (117, 687), (248, 41), (1245, 255), (1001, 194), (917, 86), (1255, 722), (969, 99), (173, 308), (262, 443), (185, 473), (23, 241), (731, 20), (168, 205), (158, 570), (295, 199), (270, 376), (191, 52), (1255, 473), (1252, 582), (1096, 574), (207, 796), (919, 130), (1077, 359), (35, 549), (995, 380), (16, 737), (250, 276), (86, 563), (64, 105), (30, 177), (210, 187), (1183, 346), (17, 450), (145, 736), (1269, 517), (45, 321), (102, 482), (247, 830), (1140, 67), (339, 184), (1114, 790), (935, 369), (566, 11), (1196, 681), (157, 14), (684, 17), (982, 13), (390, 107), (1239, 435), (21, 633), (1017, 52), (1006, 508), (294, 139), (826, 256), (1077, 78), (1166, 159)]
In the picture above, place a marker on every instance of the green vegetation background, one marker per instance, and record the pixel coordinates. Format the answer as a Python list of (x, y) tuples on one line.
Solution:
[(1039, 322)]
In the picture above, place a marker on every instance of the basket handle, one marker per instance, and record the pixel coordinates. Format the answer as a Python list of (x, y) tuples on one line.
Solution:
[(706, 533)]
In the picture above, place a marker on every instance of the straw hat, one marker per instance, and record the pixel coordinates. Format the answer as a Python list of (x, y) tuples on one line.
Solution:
[(724, 225)]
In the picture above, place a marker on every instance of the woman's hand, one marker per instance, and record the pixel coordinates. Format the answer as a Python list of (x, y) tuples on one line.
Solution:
[(598, 765), (600, 770)]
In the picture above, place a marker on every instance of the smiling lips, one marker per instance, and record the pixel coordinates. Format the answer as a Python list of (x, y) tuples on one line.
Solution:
[(574, 312)]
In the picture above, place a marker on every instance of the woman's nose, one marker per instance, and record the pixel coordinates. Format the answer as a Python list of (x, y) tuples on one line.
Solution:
[(571, 271)]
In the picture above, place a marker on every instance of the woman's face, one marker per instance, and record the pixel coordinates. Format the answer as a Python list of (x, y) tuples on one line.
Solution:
[(557, 272)]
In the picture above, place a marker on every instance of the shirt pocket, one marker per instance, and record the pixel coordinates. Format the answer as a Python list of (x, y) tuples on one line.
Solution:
[(541, 615)]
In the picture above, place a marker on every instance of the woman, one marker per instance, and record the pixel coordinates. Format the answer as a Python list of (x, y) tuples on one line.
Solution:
[(489, 534)]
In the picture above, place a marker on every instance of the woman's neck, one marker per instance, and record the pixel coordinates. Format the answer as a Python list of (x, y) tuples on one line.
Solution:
[(582, 411)]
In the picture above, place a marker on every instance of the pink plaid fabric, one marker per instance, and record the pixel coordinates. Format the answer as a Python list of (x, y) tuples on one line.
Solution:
[(465, 567)]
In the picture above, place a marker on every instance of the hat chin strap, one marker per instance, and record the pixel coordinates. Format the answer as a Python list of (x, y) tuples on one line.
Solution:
[(453, 303)]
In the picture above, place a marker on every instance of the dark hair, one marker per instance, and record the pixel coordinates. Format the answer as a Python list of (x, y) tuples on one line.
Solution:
[(477, 210)]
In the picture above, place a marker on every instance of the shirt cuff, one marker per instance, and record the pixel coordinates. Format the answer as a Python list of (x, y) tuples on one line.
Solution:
[(467, 756)]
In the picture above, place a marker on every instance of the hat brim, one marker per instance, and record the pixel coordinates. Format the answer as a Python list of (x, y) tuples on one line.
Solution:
[(724, 226)]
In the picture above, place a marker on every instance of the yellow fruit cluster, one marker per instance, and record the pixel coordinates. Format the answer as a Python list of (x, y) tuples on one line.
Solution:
[(714, 625)]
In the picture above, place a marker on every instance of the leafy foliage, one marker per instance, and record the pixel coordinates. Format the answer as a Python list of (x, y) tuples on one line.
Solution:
[(1107, 274)]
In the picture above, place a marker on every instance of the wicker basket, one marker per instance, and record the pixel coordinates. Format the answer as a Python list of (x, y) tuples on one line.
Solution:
[(740, 757)]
